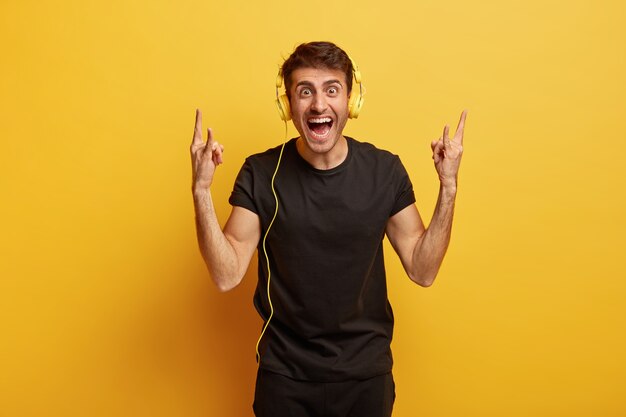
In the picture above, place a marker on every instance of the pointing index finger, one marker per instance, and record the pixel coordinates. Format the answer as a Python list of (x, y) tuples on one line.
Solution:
[(458, 135), (197, 131)]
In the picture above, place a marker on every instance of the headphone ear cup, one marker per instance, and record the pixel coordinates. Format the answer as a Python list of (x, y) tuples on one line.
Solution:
[(284, 111), (354, 105)]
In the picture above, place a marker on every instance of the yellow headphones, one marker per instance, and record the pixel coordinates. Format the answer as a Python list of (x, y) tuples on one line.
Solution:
[(355, 103)]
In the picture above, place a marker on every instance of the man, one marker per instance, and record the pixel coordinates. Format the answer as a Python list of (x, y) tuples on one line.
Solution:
[(317, 210)]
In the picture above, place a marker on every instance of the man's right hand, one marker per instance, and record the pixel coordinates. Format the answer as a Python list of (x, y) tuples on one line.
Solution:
[(205, 157)]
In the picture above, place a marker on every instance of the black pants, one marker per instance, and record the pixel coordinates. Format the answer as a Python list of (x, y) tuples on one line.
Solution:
[(279, 396)]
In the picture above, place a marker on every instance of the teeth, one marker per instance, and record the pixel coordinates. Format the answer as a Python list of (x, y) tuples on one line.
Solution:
[(320, 120)]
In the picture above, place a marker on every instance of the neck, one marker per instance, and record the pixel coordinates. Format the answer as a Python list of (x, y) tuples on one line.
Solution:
[(324, 160)]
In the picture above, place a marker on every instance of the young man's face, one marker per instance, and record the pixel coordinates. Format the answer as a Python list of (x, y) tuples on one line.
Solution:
[(319, 106)]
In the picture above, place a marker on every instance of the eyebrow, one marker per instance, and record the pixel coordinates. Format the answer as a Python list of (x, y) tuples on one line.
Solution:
[(310, 84)]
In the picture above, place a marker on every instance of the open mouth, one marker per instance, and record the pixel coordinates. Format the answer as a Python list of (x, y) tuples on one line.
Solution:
[(320, 126)]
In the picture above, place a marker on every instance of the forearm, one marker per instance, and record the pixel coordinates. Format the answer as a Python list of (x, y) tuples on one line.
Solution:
[(431, 248), (218, 253)]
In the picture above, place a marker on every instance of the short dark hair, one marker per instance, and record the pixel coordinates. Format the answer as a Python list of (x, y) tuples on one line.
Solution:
[(322, 55)]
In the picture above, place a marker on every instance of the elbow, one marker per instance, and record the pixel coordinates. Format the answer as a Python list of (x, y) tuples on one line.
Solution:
[(423, 280), (426, 282), (224, 287), (225, 279), (225, 284)]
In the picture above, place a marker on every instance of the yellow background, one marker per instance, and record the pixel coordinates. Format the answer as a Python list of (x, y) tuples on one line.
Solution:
[(105, 305)]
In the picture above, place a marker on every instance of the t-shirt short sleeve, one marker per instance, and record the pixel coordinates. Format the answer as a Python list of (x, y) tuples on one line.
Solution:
[(243, 191), (404, 188)]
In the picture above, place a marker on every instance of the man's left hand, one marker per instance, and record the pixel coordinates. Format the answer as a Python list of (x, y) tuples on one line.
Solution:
[(447, 153)]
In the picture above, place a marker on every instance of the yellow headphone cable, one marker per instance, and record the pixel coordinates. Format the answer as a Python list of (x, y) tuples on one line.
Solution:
[(267, 261)]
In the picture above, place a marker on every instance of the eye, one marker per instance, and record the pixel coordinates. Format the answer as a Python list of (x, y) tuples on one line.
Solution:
[(305, 92), (333, 91)]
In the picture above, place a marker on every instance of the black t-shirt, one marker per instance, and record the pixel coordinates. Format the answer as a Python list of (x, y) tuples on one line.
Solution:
[(332, 319)]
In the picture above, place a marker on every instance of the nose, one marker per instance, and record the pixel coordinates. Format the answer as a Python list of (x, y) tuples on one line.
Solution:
[(319, 104)]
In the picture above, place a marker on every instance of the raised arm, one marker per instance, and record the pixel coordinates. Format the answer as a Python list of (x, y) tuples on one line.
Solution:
[(226, 253), (421, 251)]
